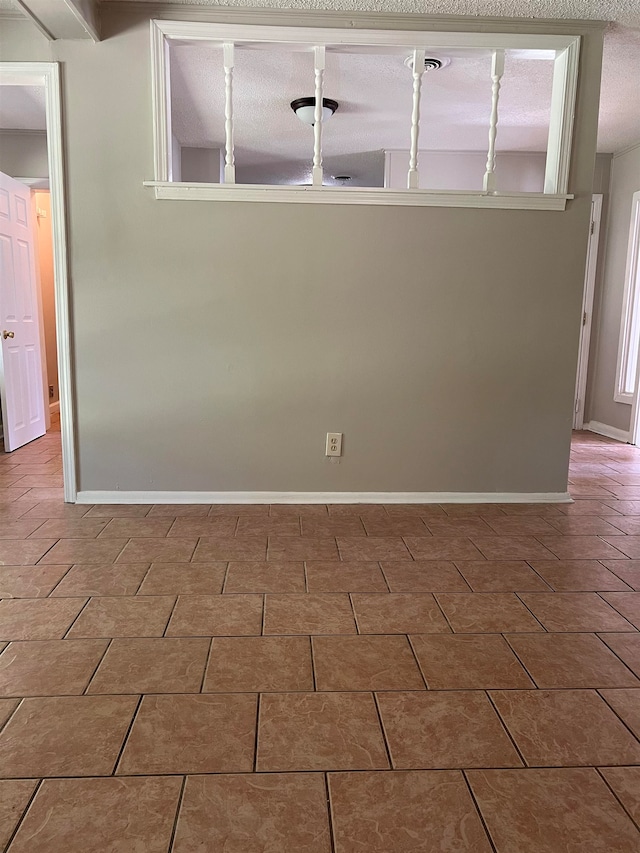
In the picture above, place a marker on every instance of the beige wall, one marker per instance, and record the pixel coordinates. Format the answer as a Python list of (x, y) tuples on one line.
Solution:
[(23, 155), (45, 264), (216, 343), (602, 408)]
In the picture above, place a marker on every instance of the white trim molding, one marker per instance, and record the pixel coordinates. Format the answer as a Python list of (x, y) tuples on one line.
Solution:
[(608, 431), (630, 321), (47, 74), (361, 195), (563, 50), (122, 497)]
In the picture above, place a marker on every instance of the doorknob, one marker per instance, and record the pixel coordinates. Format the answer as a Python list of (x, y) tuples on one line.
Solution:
[(6, 334)]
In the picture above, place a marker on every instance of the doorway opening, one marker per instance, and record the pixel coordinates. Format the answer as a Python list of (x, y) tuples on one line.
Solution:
[(628, 374), (35, 361)]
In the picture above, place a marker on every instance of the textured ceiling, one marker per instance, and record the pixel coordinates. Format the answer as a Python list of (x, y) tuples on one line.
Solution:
[(22, 108)]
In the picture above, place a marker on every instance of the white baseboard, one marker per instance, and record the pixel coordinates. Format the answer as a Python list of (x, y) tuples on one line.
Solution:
[(121, 497), (608, 431), (54, 408)]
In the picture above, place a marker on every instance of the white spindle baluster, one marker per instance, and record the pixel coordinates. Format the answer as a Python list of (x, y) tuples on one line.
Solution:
[(497, 70), (319, 53), (418, 71), (229, 156)]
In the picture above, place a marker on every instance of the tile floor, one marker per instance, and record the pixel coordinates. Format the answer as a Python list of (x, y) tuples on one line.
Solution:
[(311, 679)]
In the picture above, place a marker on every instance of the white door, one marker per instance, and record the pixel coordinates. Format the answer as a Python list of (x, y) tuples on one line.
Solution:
[(587, 311), (21, 385)]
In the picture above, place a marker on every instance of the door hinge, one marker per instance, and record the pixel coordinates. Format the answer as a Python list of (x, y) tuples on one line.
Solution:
[(584, 318), (593, 227), (577, 408)]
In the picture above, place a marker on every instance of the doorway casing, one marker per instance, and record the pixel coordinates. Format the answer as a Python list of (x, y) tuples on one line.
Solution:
[(47, 74)]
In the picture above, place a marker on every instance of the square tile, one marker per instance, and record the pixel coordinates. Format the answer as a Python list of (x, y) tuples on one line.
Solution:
[(577, 575), (626, 704), (345, 577), (70, 528), (464, 526), (627, 570), (511, 547), (83, 551), (102, 579), (523, 525), (408, 526), (431, 730), (398, 613), (543, 725), (626, 647), (26, 552), (65, 736), (7, 707), (574, 611), (96, 815), (14, 798), (156, 550), (441, 548), (530, 811), (245, 548), (124, 616), (216, 616), (256, 525), (625, 784), (268, 811), (589, 525), (363, 549), (180, 510), (384, 812), (486, 613), (259, 665), (629, 545), (626, 603), (303, 548), (38, 618), (152, 666), (570, 660), (215, 733), (308, 614), (49, 667), (629, 525), (468, 662), (501, 576), (186, 526), (424, 576), (265, 577), (184, 579), (319, 731), (365, 663), (583, 547), (29, 581), (127, 528), (118, 511), (19, 529)]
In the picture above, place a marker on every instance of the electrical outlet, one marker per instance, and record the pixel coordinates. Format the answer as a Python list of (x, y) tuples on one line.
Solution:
[(334, 444)]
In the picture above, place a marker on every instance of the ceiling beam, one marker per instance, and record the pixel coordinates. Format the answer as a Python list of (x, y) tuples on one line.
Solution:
[(64, 19)]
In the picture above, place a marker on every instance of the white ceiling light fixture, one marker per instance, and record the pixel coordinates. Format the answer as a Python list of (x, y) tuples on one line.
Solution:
[(305, 109)]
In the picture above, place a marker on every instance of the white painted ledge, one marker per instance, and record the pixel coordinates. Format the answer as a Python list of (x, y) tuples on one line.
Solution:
[(361, 195), (122, 497)]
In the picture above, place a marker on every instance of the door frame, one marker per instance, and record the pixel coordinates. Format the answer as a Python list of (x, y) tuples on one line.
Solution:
[(587, 310), (47, 74)]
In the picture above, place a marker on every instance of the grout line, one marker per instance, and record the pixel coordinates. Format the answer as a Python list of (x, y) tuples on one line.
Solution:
[(127, 733), (42, 556), (255, 742), (12, 714), (621, 659), (206, 665), (97, 666), (313, 664), (604, 778), (525, 605), (523, 665), (601, 595), (173, 610), (478, 810), (263, 613), (225, 577), (441, 608), (24, 813), (178, 809), (57, 584), (332, 839), (381, 724), (609, 705), (424, 677), (505, 727), (143, 578), (76, 617)]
